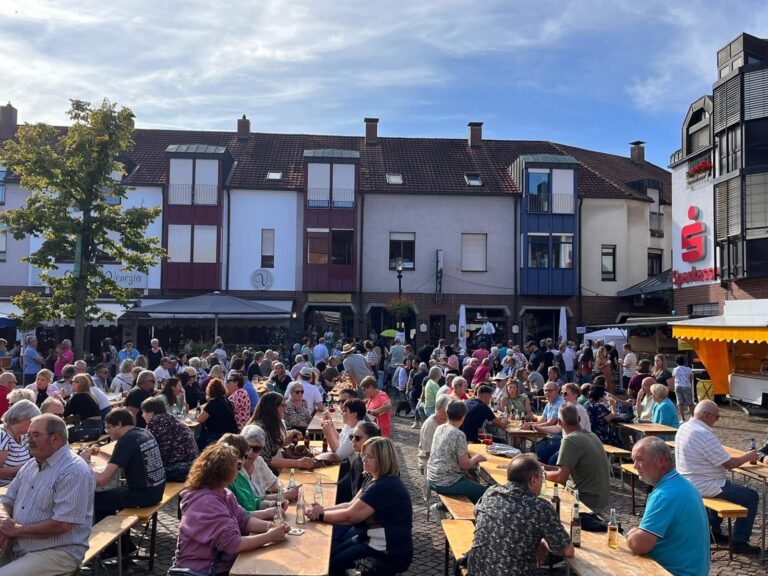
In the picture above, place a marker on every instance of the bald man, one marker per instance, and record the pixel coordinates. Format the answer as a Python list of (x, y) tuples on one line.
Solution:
[(701, 458), (7, 383)]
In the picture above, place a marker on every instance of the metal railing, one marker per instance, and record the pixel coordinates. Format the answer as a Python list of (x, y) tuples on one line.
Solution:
[(656, 223), (325, 197), (555, 203), (204, 194), (538, 203)]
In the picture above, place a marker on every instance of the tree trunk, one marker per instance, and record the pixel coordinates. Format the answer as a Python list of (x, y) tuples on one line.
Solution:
[(82, 258)]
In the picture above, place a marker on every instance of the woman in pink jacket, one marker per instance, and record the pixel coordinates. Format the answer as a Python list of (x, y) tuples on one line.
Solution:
[(214, 527)]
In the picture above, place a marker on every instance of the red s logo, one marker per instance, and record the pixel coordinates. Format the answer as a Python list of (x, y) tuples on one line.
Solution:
[(692, 238)]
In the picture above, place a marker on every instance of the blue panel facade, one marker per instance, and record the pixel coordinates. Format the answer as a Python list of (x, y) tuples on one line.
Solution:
[(549, 236)]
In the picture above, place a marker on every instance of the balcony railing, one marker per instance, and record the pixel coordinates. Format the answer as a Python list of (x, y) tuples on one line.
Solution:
[(204, 194), (555, 203), (656, 224), (323, 197)]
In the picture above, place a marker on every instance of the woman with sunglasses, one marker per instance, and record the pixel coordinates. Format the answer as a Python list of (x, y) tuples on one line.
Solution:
[(352, 415), (241, 487), (381, 513), (239, 398), (297, 414), (268, 416), (354, 479), (214, 528), (263, 481)]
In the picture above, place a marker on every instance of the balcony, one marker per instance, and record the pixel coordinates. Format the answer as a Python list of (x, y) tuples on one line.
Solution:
[(656, 224), (322, 198), (182, 194), (555, 203)]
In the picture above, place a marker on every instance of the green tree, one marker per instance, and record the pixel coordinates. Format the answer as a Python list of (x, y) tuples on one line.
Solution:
[(72, 207)]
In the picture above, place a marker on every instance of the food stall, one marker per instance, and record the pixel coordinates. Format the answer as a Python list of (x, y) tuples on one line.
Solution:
[(734, 349)]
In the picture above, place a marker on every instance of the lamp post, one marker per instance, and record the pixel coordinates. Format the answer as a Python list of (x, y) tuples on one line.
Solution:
[(399, 268)]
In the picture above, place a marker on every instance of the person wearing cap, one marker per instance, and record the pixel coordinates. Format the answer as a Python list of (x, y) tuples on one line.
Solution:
[(355, 365), (312, 395)]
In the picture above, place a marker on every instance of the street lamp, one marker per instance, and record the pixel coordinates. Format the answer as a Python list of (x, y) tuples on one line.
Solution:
[(399, 268)]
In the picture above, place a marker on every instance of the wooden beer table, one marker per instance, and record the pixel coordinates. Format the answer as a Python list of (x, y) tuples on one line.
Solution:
[(305, 555), (328, 475), (649, 429), (315, 427)]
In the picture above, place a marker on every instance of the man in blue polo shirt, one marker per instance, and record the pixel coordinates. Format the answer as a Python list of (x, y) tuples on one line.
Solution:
[(674, 530)]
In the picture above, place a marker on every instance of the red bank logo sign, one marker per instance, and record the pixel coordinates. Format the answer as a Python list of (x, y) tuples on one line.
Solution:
[(694, 249)]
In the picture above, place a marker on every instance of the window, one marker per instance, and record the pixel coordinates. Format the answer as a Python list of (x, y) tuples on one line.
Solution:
[(341, 246), (318, 185), (473, 179), (538, 190), (274, 175), (654, 261), (538, 251), (757, 205), (267, 247), (206, 183), (205, 244), (394, 179), (473, 252), (343, 185), (179, 242), (317, 246), (562, 192), (608, 262), (3, 244), (562, 251), (728, 208), (700, 310), (402, 245), (756, 137), (180, 181)]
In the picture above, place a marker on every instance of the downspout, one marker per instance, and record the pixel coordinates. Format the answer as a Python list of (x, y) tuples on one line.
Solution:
[(229, 232), (516, 282), (578, 315), (360, 267)]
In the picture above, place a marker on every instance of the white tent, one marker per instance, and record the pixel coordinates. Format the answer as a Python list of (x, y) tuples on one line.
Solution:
[(615, 335)]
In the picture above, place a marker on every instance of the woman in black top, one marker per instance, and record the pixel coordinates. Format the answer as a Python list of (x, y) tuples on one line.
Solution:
[(83, 404), (280, 379), (218, 415)]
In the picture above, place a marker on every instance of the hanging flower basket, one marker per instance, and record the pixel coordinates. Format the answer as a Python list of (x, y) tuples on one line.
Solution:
[(399, 308)]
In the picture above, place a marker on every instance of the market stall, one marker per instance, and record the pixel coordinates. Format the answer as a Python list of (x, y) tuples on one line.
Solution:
[(734, 349)]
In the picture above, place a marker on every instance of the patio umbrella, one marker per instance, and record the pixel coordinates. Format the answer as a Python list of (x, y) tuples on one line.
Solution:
[(562, 331), (389, 333)]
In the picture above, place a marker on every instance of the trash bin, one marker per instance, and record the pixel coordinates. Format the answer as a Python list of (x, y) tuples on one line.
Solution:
[(704, 390)]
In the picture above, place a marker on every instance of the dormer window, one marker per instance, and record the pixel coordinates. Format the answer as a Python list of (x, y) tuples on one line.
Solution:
[(274, 175), (394, 179), (473, 179)]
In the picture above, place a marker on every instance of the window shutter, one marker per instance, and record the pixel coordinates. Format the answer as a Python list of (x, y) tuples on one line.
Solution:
[(721, 210), (267, 242), (756, 94), (473, 252), (718, 109), (757, 205), (733, 101), (734, 207), (699, 139)]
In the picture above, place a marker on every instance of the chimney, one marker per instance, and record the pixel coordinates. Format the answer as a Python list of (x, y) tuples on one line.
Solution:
[(637, 152), (243, 128), (371, 131), (8, 121), (475, 134)]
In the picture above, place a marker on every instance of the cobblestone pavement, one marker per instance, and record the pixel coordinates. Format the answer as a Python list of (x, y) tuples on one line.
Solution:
[(734, 429)]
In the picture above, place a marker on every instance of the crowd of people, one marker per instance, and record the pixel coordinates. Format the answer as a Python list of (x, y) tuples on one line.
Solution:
[(252, 408)]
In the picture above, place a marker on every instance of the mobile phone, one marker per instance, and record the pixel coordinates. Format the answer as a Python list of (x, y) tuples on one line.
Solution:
[(295, 532)]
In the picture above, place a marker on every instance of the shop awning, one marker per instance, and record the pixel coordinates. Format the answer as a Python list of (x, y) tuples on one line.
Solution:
[(8, 308), (723, 329), (214, 305)]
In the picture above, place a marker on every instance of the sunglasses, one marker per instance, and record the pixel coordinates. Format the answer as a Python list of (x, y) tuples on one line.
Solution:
[(256, 449), (298, 391), (356, 437)]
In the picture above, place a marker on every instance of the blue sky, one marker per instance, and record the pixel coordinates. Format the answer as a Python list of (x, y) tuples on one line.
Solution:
[(590, 73)]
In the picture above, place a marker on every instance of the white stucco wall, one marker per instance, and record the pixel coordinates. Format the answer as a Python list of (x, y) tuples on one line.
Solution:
[(13, 272), (251, 211), (438, 222)]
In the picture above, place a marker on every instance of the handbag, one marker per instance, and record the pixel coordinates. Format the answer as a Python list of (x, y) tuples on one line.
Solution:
[(174, 571), (80, 433)]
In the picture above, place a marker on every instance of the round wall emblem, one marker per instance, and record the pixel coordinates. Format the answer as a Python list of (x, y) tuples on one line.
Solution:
[(262, 279)]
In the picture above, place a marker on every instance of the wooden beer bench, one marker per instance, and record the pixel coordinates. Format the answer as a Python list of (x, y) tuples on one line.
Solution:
[(633, 473), (148, 516), (614, 452), (458, 540), (104, 533), (729, 510), (459, 507)]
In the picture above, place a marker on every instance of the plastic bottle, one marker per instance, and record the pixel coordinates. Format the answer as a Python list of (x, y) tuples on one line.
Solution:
[(613, 530)]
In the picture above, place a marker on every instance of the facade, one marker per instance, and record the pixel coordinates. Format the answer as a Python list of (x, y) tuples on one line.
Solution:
[(720, 174), (331, 229)]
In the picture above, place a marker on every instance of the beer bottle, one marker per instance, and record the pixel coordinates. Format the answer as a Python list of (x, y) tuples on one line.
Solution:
[(575, 521), (306, 441), (613, 530), (556, 499)]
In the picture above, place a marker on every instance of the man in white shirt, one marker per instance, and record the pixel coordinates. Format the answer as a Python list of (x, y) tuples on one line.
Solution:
[(701, 458), (161, 372), (312, 395), (569, 359), (629, 365), (428, 430)]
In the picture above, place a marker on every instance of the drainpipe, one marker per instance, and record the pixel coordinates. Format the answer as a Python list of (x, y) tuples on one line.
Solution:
[(229, 233), (360, 268), (516, 282), (578, 314)]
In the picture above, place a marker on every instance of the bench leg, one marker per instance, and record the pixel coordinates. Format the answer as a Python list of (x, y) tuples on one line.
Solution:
[(730, 539), (446, 556), (632, 485), (120, 555), (152, 538)]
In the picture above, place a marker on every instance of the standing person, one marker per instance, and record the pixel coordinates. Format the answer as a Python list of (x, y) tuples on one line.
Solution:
[(449, 458), (320, 351), (66, 356), (154, 354), (629, 365), (416, 383), (674, 530), (603, 364), (47, 535), (569, 361), (128, 352), (586, 366), (702, 459), (530, 525), (377, 405), (145, 387), (430, 389), (683, 376), (355, 365), (33, 362), (636, 382), (663, 375)]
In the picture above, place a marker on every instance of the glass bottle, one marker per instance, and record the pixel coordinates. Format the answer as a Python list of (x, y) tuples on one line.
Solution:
[(556, 499), (279, 519), (292, 480), (301, 517), (575, 521), (318, 491), (613, 530)]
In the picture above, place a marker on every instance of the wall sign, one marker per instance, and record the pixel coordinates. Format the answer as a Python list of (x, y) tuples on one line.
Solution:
[(262, 279)]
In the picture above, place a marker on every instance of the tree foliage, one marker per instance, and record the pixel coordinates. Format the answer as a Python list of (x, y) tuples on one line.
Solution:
[(69, 174)]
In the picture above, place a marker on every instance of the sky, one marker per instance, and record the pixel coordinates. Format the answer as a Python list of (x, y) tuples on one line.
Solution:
[(591, 73)]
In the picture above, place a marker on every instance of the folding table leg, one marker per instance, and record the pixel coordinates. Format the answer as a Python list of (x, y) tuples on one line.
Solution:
[(446, 556)]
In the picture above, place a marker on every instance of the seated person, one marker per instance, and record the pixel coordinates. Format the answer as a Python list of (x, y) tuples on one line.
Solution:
[(530, 525), (174, 439), (82, 404), (298, 415), (52, 406), (382, 514), (701, 459), (645, 401), (21, 394), (218, 415), (664, 411), (674, 530), (47, 535), (581, 463), (449, 459), (570, 395), (212, 521), (263, 481), (14, 449), (478, 412), (428, 431), (355, 479), (137, 453), (602, 410), (352, 413), (241, 486), (549, 445)]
